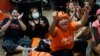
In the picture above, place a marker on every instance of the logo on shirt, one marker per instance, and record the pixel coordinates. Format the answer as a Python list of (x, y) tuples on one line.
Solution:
[(14, 26), (67, 40)]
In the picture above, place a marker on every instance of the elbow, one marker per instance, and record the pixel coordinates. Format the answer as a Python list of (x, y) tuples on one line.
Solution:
[(23, 28), (80, 24), (3, 29)]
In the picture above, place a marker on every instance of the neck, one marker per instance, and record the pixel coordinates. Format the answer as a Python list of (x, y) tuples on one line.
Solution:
[(64, 29)]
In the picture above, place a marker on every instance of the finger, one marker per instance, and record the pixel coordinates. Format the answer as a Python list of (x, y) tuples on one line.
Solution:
[(87, 3), (54, 14), (10, 17), (22, 14)]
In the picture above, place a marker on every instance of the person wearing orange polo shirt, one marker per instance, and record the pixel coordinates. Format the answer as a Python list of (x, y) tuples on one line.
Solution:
[(62, 30)]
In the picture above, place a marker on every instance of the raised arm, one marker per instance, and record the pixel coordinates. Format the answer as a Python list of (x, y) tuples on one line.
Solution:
[(22, 25), (53, 25), (85, 16), (80, 32)]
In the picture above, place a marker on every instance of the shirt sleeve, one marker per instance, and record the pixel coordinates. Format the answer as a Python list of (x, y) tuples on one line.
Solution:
[(4, 22), (74, 25)]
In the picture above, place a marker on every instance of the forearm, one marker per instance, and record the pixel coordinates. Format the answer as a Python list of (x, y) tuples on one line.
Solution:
[(52, 28), (80, 32), (22, 25), (77, 35), (6, 26), (78, 14), (83, 19), (71, 17)]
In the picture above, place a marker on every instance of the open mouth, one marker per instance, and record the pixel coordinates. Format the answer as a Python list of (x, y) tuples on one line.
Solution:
[(64, 24), (16, 16)]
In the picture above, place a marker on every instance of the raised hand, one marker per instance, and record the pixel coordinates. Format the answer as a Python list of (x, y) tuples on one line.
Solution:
[(31, 23), (54, 15), (42, 23), (10, 16), (21, 15)]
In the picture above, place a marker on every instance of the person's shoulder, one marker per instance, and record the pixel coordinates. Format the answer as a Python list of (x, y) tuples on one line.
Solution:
[(6, 19), (57, 29), (73, 23)]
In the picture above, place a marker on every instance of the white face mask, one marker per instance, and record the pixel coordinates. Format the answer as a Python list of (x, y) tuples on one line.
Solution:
[(35, 15)]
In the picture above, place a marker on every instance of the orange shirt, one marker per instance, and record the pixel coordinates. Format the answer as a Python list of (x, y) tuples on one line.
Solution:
[(57, 41)]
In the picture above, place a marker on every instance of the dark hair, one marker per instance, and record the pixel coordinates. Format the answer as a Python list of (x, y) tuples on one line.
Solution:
[(94, 1), (19, 11), (30, 12), (68, 11), (32, 9), (72, 2)]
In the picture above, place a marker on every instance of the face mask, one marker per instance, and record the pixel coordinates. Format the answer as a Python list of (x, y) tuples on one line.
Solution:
[(35, 15)]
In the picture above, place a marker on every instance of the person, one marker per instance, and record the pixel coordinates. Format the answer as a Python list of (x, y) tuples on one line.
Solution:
[(38, 29), (62, 30), (74, 11), (96, 33), (39, 24), (14, 28), (92, 13), (27, 5), (82, 34)]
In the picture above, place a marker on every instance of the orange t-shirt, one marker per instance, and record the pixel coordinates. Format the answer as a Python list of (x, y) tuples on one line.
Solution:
[(57, 40)]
